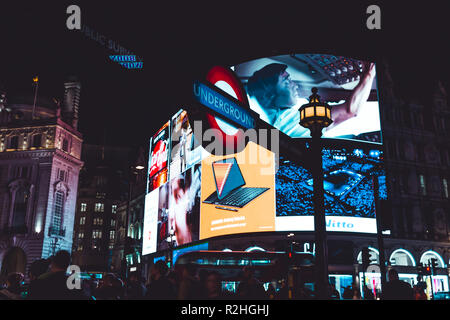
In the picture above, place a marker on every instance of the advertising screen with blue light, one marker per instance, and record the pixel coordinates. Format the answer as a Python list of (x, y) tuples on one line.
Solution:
[(275, 87), (349, 174), (196, 247), (160, 258)]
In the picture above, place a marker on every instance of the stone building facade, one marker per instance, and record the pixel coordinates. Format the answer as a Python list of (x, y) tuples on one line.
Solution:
[(127, 252), (103, 186), (40, 151)]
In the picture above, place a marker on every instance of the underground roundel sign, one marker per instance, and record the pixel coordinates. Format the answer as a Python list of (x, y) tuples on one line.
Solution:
[(223, 94)]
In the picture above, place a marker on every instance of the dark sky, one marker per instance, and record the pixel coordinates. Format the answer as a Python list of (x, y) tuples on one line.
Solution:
[(177, 41)]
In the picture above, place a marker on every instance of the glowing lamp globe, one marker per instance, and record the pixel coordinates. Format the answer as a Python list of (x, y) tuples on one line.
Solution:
[(315, 114)]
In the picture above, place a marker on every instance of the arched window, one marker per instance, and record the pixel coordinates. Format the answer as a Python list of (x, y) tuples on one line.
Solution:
[(254, 248), (374, 256), (15, 260), (402, 257), (426, 256)]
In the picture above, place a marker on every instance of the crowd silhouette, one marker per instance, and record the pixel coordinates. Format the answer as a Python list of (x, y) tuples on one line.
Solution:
[(47, 280)]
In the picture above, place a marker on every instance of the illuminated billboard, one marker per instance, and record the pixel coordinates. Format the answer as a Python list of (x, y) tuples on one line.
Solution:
[(159, 153), (259, 188), (238, 192), (349, 171), (278, 86), (244, 193), (185, 149), (172, 212), (150, 231)]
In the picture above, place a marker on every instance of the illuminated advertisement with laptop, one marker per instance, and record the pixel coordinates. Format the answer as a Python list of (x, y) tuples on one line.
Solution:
[(238, 192), (202, 195)]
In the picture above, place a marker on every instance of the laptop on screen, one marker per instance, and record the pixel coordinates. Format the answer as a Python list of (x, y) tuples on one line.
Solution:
[(229, 185)]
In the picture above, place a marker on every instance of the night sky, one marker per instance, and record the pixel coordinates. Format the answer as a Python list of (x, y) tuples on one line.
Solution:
[(179, 41)]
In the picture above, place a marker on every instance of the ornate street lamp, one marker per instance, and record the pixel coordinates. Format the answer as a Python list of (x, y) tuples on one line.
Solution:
[(315, 116)]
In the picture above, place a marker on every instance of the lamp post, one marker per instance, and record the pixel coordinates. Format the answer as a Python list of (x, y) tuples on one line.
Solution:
[(315, 116), (133, 172), (36, 82)]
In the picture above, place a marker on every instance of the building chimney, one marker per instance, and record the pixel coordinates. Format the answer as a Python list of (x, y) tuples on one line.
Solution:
[(71, 101)]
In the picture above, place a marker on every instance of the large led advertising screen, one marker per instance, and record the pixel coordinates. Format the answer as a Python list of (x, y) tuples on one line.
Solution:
[(349, 173), (159, 154), (172, 212), (278, 86), (185, 149), (238, 192), (265, 189)]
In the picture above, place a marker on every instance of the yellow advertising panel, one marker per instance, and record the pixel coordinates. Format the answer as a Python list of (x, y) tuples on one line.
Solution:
[(238, 192)]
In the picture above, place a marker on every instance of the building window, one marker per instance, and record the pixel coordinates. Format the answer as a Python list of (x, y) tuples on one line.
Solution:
[(82, 221), (445, 187), (96, 234), (99, 207), (422, 185), (100, 181), (65, 145), (14, 142), (114, 208), (100, 195), (80, 235), (58, 212), (24, 173), (83, 207), (113, 223), (80, 247), (112, 234), (98, 221), (20, 207), (62, 175), (37, 141)]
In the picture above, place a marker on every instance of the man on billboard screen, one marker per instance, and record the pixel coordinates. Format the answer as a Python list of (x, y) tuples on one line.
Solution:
[(277, 91)]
